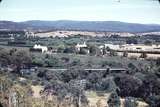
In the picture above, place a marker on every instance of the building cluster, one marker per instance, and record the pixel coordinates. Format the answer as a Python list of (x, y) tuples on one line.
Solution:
[(136, 50), (130, 49), (134, 47)]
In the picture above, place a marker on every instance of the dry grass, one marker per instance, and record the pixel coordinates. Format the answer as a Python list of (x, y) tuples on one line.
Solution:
[(101, 101), (85, 33), (36, 90), (95, 100)]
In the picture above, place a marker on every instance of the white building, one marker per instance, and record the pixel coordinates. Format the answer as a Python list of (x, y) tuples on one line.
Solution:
[(43, 48), (112, 46), (79, 46), (134, 47)]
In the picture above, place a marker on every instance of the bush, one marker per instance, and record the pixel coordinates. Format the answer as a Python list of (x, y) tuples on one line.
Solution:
[(158, 62), (148, 42), (60, 49), (114, 100), (131, 41), (41, 74), (76, 62), (83, 51), (107, 85), (65, 59), (130, 102), (69, 50), (113, 53), (93, 50), (38, 62), (127, 84), (150, 90), (154, 101)]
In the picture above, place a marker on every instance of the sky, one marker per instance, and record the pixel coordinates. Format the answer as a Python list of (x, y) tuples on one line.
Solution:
[(133, 11)]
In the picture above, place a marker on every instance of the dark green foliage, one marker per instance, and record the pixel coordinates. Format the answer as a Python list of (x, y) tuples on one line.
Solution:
[(138, 83), (158, 72), (130, 65), (93, 50), (150, 88), (148, 42), (104, 51), (51, 62), (65, 59), (114, 36), (131, 41), (114, 100), (19, 59), (5, 57), (93, 77), (153, 100), (76, 62), (69, 50), (41, 74), (107, 48), (60, 49), (130, 102), (132, 68), (66, 77), (107, 85), (38, 62), (127, 84), (158, 61), (83, 51), (47, 61), (112, 53)]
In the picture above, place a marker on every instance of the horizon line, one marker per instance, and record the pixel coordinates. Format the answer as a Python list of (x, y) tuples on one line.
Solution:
[(83, 21)]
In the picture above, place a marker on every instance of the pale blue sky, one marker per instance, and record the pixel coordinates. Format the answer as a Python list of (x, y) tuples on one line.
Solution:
[(134, 11)]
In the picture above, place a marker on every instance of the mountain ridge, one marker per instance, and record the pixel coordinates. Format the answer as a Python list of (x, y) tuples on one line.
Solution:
[(107, 26)]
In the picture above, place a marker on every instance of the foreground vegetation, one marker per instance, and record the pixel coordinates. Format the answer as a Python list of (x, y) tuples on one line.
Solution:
[(61, 80), (140, 82)]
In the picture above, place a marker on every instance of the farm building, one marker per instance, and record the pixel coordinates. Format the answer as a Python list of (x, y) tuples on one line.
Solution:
[(39, 48), (79, 46)]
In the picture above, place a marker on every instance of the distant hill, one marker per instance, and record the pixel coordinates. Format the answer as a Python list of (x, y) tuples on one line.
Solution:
[(110, 26), (12, 25)]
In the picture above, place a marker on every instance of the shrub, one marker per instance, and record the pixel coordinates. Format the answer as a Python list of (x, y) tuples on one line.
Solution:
[(127, 84), (114, 100), (83, 51), (154, 100), (131, 41), (69, 50), (130, 102)]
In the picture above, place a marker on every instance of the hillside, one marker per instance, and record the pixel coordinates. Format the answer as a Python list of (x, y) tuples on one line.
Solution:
[(9, 25), (110, 26)]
